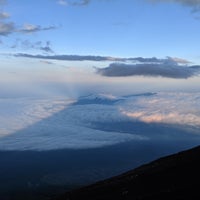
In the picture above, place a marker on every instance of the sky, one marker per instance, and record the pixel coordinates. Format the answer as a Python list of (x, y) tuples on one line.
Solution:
[(55, 52), (128, 28), (129, 43)]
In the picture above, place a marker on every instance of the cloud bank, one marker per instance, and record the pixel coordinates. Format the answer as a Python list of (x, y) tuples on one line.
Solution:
[(169, 70), (168, 108), (70, 57), (49, 124), (55, 123), (172, 60), (170, 67)]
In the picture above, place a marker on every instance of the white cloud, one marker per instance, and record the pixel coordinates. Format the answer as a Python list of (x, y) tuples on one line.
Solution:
[(49, 124), (169, 108), (62, 2), (45, 124), (73, 2), (30, 28)]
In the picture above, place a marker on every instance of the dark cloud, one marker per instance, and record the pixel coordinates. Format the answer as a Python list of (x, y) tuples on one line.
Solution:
[(153, 60), (169, 70), (71, 57), (170, 67), (47, 47), (169, 59)]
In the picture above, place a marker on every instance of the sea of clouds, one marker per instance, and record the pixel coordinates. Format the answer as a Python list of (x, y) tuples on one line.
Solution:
[(59, 123)]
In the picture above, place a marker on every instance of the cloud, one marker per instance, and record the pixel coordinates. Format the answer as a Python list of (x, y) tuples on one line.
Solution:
[(31, 125), (168, 60), (192, 3), (4, 15), (39, 45), (178, 60), (62, 2), (171, 67), (30, 28), (73, 2), (6, 28), (47, 47), (185, 2), (169, 70), (46, 62), (71, 57), (79, 2), (168, 108)]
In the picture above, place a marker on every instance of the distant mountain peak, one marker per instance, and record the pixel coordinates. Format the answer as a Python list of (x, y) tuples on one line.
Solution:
[(100, 98)]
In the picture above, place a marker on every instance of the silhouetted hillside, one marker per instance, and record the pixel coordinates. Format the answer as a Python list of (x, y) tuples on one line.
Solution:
[(173, 177)]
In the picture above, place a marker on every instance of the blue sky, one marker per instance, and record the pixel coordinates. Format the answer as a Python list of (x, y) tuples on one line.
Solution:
[(128, 28)]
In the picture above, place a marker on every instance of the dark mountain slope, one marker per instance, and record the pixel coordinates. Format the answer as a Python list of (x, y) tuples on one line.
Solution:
[(173, 177)]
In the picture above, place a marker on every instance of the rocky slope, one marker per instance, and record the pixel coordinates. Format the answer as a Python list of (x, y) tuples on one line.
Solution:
[(173, 177)]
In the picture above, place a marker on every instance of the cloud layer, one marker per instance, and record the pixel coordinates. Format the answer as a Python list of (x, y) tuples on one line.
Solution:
[(171, 67), (46, 124), (65, 129), (169, 70), (171, 108), (70, 57), (168, 60)]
